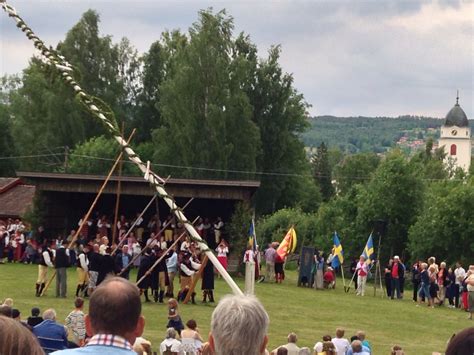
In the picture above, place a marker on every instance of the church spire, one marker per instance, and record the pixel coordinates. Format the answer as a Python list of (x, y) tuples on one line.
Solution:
[(457, 98)]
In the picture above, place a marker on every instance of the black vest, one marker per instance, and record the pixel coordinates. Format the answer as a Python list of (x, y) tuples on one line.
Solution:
[(61, 260), (42, 262)]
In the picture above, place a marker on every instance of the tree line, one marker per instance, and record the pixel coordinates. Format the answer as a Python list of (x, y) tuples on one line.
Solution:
[(205, 105)]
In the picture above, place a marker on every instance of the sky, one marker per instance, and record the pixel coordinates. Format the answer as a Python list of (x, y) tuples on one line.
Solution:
[(347, 57)]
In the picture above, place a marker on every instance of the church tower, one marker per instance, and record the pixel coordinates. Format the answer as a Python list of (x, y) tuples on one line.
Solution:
[(455, 137)]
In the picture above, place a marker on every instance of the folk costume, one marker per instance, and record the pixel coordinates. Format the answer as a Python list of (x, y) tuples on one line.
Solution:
[(207, 284), (145, 264), (159, 276), (187, 268), (46, 260), (249, 260), (82, 269)]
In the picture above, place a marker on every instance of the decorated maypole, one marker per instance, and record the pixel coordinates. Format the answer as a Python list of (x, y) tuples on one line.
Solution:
[(102, 112)]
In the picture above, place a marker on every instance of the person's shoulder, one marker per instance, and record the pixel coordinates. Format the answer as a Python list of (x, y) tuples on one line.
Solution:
[(95, 349)]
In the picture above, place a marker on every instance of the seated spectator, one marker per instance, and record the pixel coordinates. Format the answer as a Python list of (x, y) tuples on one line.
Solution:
[(16, 315), (232, 333), (318, 347), (361, 335), (114, 319), (170, 345), (462, 343), (329, 348), (52, 336), (397, 350), (357, 348), (281, 351), (8, 302), (17, 339), (341, 343), (142, 346), (365, 350), (305, 351), (292, 348), (35, 318), (329, 278), (6, 311), (191, 341), (75, 322)]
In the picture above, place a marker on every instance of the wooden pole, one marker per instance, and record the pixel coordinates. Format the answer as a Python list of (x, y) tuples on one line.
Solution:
[(196, 278), (86, 217), (167, 223), (342, 273), (117, 199), (164, 254)]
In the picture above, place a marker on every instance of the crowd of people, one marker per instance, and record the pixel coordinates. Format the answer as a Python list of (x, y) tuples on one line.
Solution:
[(159, 250), (114, 325)]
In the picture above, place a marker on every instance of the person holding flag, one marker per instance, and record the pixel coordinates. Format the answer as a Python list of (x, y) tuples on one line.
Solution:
[(362, 268), (337, 256), (287, 246)]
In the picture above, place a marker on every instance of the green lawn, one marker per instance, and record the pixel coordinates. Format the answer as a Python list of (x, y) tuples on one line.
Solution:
[(309, 313)]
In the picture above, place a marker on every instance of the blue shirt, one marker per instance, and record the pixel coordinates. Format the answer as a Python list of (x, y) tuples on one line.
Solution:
[(172, 263), (365, 351), (51, 335), (102, 344)]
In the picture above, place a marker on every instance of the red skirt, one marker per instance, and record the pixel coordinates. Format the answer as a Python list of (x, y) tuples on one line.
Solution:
[(223, 261)]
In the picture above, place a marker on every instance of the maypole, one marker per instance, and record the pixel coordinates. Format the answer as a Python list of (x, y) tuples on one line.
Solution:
[(100, 110)]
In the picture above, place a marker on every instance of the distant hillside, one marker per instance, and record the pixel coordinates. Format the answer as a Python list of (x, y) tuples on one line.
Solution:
[(370, 134)]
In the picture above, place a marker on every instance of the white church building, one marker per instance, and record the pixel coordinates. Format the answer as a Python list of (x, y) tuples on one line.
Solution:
[(455, 137)]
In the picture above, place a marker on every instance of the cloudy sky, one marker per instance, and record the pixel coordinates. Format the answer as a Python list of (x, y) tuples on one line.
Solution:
[(375, 58)]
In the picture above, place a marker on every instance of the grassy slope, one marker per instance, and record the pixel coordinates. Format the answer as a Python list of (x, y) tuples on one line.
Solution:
[(309, 313)]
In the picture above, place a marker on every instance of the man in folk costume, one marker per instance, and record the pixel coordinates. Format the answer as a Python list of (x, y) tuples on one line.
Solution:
[(82, 269), (145, 263), (187, 268), (159, 275), (46, 260), (249, 260)]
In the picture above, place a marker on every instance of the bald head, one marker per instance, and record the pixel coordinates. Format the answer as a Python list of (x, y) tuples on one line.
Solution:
[(115, 307)]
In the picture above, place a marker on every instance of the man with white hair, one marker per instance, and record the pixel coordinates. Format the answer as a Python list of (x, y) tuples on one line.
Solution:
[(170, 344), (51, 335), (239, 325), (291, 347), (397, 273)]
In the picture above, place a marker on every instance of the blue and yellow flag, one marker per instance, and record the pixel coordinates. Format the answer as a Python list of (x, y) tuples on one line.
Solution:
[(253, 236), (338, 253), (368, 252)]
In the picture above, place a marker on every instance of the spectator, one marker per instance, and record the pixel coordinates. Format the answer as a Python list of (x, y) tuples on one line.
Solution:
[(174, 320), (397, 350), (61, 263), (35, 318), (122, 259), (459, 274), (415, 279), (17, 339), (361, 335), (75, 322), (270, 263), (8, 302), (16, 315), (114, 319), (470, 289), (142, 346), (341, 343), (52, 336), (170, 344), (6, 311), (462, 343), (357, 348), (232, 333), (329, 278), (396, 274), (291, 347), (191, 339)]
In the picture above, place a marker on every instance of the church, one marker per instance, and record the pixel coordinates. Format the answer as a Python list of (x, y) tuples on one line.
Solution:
[(455, 137)]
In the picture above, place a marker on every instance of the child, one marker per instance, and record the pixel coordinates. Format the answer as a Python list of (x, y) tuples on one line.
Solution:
[(35, 318), (173, 316)]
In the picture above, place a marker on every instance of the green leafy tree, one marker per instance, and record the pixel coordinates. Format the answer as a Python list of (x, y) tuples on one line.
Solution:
[(445, 225), (322, 172), (394, 194), (355, 169), (206, 114), (7, 147)]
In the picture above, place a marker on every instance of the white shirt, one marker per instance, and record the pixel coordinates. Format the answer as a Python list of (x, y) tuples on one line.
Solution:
[(460, 274), (175, 346), (249, 257), (47, 259), (341, 345), (222, 251), (84, 262)]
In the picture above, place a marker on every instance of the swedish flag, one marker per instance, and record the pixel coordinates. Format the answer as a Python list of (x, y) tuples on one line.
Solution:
[(368, 252), (338, 253)]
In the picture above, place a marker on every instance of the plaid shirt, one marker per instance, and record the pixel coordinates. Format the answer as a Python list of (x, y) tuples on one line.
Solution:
[(110, 340)]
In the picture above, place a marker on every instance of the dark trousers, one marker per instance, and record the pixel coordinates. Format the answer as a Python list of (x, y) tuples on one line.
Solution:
[(388, 286), (396, 287), (416, 285), (455, 292)]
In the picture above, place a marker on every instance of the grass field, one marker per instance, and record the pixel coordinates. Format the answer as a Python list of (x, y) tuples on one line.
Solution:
[(309, 313)]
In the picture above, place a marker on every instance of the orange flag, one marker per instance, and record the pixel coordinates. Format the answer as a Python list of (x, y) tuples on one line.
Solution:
[(288, 245)]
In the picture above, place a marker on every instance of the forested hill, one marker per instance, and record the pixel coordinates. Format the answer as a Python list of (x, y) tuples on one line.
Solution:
[(368, 134)]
